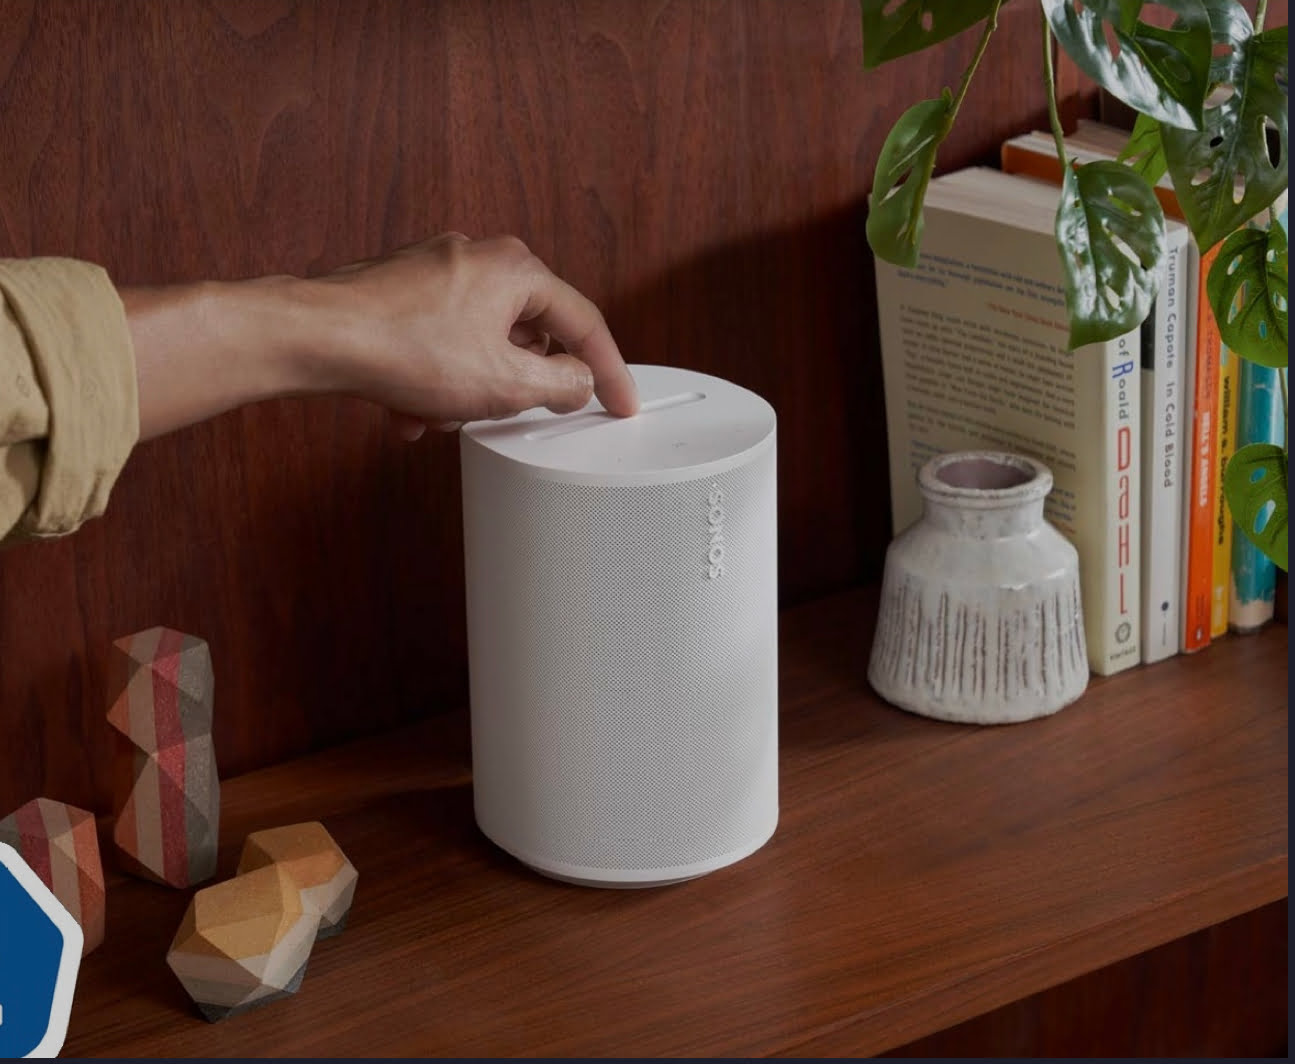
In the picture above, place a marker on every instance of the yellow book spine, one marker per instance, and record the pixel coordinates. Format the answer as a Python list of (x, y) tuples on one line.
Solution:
[(1228, 411)]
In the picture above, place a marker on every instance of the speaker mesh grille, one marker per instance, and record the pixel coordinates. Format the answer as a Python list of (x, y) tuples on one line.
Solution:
[(643, 734)]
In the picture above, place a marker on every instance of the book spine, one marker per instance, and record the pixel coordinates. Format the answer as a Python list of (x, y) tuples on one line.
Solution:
[(1014, 158), (1199, 525), (1018, 158), (1229, 385), (1164, 337), (1260, 419), (1117, 626), (1254, 577)]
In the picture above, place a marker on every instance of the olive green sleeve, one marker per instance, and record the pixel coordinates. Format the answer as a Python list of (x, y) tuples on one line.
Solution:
[(69, 407)]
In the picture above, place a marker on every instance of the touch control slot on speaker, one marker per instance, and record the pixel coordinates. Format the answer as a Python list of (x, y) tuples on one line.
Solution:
[(583, 422)]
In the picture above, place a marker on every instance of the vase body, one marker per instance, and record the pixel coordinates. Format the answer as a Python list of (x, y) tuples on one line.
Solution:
[(981, 619)]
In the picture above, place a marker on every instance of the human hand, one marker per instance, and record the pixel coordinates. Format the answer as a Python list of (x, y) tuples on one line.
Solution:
[(451, 330), (442, 332)]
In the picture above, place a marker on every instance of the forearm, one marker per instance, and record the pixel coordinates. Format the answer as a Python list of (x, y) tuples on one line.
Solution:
[(441, 332), (203, 349)]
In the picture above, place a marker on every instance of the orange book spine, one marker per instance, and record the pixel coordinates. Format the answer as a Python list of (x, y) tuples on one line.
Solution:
[(1015, 159), (1198, 530), (1018, 159)]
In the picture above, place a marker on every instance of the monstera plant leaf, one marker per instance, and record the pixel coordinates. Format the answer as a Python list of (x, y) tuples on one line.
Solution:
[(892, 29), (1223, 174), (1111, 233), (1160, 72), (903, 172), (1247, 286), (1145, 151), (1254, 484)]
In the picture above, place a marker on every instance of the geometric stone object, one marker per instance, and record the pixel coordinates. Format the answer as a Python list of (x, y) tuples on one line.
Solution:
[(314, 862), (166, 793), (243, 943), (61, 844)]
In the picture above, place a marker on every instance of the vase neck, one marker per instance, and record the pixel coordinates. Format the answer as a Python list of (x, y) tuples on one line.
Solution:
[(980, 522)]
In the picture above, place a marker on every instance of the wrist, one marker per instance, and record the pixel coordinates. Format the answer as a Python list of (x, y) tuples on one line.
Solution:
[(321, 335), (285, 333), (204, 348)]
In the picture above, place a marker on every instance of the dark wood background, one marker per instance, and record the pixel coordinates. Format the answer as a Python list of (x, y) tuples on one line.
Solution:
[(698, 167)]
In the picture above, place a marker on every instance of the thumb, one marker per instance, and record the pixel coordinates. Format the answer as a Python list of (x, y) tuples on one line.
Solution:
[(562, 383)]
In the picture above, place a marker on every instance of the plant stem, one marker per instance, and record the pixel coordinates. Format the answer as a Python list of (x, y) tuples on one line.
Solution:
[(1260, 12), (991, 24), (1286, 424), (923, 178), (1050, 81)]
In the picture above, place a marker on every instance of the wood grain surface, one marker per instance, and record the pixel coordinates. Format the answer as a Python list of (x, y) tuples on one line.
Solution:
[(1218, 993), (698, 167), (923, 874)]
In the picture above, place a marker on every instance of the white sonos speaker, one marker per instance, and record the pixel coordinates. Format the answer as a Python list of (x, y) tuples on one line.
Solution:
[(621, 579)]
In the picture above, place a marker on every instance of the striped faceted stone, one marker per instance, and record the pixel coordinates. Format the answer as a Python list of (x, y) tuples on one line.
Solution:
[(166, 791), (60, 844), (243, 943), (308, 854)]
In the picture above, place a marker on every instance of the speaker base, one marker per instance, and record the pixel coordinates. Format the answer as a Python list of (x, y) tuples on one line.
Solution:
[(633, 879), (583, 881)]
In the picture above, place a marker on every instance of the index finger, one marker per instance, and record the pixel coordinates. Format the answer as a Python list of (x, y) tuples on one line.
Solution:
[(570, 317)]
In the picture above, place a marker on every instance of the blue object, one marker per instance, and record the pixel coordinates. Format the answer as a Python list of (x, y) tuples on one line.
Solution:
[(1254, 577), (1260, 419), (40, 954)]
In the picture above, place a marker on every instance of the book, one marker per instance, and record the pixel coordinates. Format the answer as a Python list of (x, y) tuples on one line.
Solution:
[(1035, 154), (1227, 412), (1260, 419), (1167, 337), (1217, 388), (973, 347), (1168, 360), (1254, 578), (1203, 483)]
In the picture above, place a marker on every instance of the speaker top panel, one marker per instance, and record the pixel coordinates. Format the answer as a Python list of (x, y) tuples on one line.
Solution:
[(688, 424)]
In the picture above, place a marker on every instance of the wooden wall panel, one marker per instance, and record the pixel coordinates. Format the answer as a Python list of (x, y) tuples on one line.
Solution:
[(698, 167)]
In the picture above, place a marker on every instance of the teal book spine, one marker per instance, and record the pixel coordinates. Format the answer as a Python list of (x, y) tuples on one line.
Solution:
[(1261, 419), (1254, 577)]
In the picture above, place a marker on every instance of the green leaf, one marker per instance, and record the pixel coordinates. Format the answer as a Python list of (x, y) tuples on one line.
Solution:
[(903, 172), (1159, 72), (1145, 152), (1254, 484), (1223, 175), (1121, 13), (1247, 288), (1111, 235), (893, 29)]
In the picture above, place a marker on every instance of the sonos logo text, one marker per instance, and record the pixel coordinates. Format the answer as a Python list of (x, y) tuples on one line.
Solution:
[(715, 533)]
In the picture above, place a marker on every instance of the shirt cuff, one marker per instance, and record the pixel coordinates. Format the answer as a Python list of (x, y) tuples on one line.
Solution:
[(81, 355)]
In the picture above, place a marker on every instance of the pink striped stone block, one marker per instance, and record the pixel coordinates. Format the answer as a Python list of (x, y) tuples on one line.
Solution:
[(166, 791), (60, 844)]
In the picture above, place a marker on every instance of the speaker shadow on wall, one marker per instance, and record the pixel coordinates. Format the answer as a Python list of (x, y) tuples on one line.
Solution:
[(791, 315)]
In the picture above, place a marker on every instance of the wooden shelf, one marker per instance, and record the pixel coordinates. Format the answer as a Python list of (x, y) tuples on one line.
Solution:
[(922, 874)]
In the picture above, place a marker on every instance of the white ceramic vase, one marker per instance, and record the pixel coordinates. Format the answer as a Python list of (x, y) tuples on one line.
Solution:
[(981, 620)]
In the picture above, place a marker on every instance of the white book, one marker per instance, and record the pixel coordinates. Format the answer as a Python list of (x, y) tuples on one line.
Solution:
[(973, 346), (1166, 435)]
